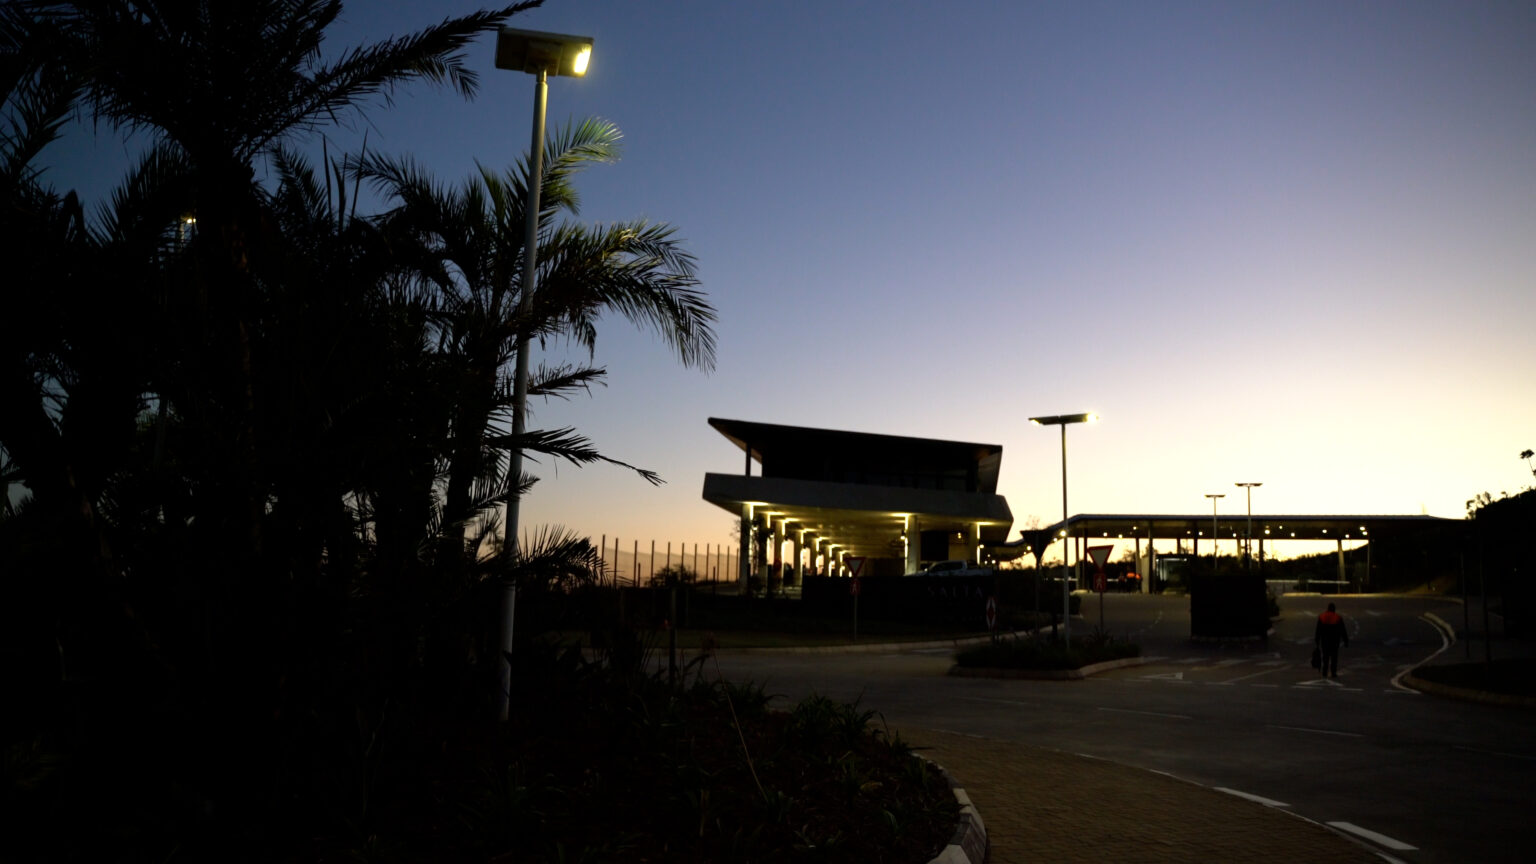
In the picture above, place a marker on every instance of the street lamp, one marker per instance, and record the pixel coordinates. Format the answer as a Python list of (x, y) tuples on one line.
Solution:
[(1063, 420), (541, 55), (1249, 548), (1213, 496)]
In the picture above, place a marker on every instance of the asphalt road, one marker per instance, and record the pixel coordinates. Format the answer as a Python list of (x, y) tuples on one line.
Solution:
[(1420, 778)]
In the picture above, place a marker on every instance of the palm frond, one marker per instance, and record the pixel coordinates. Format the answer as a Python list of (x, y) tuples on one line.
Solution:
[(565, 444)]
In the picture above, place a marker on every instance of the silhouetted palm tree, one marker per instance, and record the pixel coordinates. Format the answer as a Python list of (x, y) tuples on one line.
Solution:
[(475, 235)]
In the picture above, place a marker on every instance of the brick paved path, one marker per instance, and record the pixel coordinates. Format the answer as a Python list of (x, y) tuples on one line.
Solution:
[(1043, 805)]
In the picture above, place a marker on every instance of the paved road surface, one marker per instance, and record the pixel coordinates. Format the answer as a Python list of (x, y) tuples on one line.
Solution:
[(1420, 778)]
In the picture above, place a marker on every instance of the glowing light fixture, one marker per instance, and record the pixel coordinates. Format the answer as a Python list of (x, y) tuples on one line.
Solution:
[(533, 51)]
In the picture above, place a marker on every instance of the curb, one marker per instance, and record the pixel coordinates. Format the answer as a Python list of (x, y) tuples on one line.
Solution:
[(969, 844), (1449, 692), (959, 671)]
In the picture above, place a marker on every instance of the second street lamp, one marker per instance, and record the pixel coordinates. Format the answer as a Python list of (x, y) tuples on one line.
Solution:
[(541, 55), (1213, 496), (1063, 420), (1248, 547)]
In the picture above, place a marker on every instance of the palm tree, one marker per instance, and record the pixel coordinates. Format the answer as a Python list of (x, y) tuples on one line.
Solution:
[(246, 77), (474, 234), (1526, 455)]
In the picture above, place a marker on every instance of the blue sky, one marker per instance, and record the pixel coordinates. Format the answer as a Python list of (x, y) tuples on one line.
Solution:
[(1286, 242)]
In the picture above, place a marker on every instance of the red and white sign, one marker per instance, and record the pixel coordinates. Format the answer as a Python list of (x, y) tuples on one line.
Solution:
[(853, 588), (855, 566), (1099, 555), (991, 613), (1099, 583)]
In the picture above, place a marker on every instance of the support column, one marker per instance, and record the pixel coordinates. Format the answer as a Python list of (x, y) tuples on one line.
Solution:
[(1340, 541), (914, 544), (778, 549), (795, 546), (973, 545)]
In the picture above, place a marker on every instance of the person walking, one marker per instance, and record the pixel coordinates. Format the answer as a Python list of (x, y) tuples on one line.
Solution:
[(1330, 632)]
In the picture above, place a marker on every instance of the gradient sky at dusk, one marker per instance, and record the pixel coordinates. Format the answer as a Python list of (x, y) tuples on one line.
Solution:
[(1290, 242)]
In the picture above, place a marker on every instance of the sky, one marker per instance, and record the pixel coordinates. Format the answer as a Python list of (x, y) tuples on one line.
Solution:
[(1289, 242)]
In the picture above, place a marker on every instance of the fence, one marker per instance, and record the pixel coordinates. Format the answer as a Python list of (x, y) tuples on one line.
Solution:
[(712, 564)]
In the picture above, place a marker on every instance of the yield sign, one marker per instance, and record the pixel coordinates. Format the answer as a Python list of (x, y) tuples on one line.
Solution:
[(855, 565), (1099, 554)]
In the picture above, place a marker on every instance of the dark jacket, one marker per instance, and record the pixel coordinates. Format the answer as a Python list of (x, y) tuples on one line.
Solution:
[(1330, 629)]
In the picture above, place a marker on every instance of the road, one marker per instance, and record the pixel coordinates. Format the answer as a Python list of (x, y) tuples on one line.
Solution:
[(1422, 779)]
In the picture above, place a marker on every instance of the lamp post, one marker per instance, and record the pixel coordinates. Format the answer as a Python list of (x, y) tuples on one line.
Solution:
[(1063, 420), (1213, 496), (1248, 549), (541, 55)]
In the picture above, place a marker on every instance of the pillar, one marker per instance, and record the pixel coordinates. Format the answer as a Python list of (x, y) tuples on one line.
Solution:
[(914, 544)]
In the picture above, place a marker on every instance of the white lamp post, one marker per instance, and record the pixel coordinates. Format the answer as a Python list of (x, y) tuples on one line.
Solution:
[(1248, 553), (1063, 420), (1214, 496), (540, 55)]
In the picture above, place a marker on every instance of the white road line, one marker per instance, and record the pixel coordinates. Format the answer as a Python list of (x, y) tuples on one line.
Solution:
[(1318, 731), (1496, 753), (1146, 713), (1267, 802), (1445, 642), (1379, 839), (1254, 675)]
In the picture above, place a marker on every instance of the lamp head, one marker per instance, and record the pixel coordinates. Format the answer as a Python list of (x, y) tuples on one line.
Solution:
[(534, 51), (1064, 419)]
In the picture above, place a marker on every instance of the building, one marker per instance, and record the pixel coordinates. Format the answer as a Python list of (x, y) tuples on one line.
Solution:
[(836, 502)]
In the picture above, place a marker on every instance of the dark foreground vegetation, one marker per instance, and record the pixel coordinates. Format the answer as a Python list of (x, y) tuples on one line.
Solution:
[(253, 449)]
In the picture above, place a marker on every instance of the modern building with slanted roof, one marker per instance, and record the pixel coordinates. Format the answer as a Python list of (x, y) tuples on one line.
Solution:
[(892, 501)]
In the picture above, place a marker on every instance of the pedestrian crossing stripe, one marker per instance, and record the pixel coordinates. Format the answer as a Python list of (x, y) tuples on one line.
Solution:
[(1168, 676), (1319, 682)]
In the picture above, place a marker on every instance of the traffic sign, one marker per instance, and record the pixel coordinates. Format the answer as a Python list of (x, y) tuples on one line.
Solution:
[(1099, 554), (854, 588), (1099, 583), (855, 566), (991, 613)]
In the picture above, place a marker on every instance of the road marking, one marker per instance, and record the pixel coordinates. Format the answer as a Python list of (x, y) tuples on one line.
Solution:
[(1232, 662), (1254, 675), (1379, 839), (1168, 676), (1267, 802), (1495, 753), (1146, 713), (1273, 663), (1318, 731), (1326, 682), (1445, 642)]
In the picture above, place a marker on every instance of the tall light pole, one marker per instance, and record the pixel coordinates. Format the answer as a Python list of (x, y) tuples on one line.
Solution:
[(1248, 548), (1213, 496), (541, 55), (1063, 420)]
